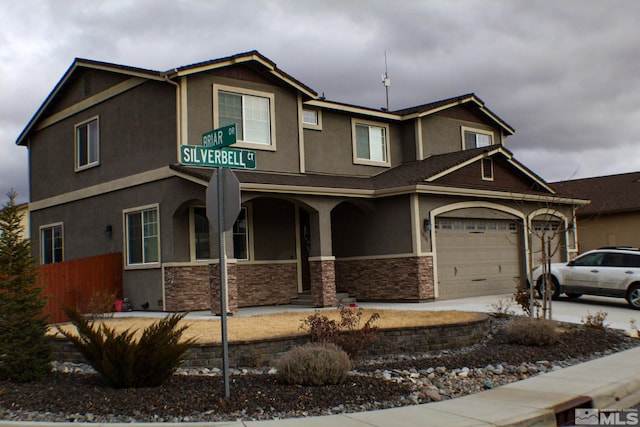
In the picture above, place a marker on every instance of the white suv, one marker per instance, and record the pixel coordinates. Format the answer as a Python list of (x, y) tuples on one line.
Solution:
[(609, 272)]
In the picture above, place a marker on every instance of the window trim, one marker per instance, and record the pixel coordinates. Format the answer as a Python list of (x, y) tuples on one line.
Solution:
[(464, 129), (41, 245), (248, 240), (125, 236), (250, 92), (77, 167), (312, 126), (483, 167), (359, 161)]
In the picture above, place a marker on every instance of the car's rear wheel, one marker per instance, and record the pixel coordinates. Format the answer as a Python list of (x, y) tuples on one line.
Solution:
[(633, 297), (555, 293), (573, 295)]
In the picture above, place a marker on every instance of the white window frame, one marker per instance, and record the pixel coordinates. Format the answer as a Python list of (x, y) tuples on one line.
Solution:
[(248, 92), (192, 234), (51, 226), (483, 168), (90, 164), (465, 129), (360, 161), (125, 227), (310, 125)]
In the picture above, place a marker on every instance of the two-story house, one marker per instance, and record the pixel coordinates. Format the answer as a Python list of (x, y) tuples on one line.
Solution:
[(408, 205)]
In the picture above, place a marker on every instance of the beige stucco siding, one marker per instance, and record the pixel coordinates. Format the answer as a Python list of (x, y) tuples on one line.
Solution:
[(609, 230)]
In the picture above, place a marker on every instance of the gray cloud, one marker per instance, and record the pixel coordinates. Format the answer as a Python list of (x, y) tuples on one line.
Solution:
[(563, 74)]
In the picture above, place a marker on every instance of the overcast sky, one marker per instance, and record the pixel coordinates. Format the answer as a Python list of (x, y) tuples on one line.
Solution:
[(564, 74)]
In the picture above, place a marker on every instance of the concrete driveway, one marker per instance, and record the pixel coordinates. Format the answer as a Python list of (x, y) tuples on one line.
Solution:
[(618, 312)]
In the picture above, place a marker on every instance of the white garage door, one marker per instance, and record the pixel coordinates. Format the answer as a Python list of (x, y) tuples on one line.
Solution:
[(477, 256)]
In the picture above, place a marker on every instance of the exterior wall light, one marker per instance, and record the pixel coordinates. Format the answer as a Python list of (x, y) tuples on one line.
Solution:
[(108, 231)]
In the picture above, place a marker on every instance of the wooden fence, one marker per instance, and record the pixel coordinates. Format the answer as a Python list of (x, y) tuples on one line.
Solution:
[(81, 284)]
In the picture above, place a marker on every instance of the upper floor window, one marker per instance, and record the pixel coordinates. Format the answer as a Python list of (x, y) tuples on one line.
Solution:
[(312, 119), (370, 143), (476, 138), (251, 111), (142, 236), (87, 144), (51, 244)]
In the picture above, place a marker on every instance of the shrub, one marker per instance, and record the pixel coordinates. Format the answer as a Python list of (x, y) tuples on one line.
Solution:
[(532, 332), (345, 333), (502, 308), (25, 348), (314, 364), (595, 321), (100, 305), (522, 296), (125, 363)]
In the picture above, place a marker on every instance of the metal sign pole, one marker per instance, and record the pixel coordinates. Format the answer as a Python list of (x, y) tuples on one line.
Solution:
[(222, 256)]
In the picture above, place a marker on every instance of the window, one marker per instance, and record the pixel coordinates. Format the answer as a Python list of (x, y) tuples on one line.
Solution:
[(51, 244), (589, 260), (312, 119), (241, 236), (87, 144), (476, 138), (371, 145), (143, 237), (487, 169), (201, 233), (251, 111)]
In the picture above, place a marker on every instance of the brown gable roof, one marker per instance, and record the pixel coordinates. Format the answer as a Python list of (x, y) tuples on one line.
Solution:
[(608, 194)]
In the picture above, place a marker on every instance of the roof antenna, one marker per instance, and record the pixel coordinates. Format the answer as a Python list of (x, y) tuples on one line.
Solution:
[(386, 81)]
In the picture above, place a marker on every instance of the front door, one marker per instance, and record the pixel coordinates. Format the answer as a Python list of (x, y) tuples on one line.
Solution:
[(305, 249)]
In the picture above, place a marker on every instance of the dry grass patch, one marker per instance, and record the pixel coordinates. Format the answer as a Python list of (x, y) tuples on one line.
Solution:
[(242, 328)]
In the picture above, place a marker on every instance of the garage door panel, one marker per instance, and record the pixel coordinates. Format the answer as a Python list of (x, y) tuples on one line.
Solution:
[(480, 258)]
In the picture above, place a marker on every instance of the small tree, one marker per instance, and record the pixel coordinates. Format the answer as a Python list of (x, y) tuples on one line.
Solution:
[(25, 349)]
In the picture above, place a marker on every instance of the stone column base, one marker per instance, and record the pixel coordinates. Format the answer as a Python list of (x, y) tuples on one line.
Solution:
[(323, 281)]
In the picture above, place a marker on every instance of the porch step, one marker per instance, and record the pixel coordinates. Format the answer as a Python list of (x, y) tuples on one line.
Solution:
[(344, 298), (306, 299)]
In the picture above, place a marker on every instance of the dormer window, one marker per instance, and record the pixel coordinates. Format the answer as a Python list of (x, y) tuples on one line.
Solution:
[(476, 138)]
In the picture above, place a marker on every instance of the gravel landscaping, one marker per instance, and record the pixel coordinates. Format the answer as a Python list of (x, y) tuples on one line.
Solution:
[(74, 393)]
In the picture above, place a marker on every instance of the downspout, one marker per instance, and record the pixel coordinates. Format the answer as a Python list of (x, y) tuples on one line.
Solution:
[(178, 137), (178, 111)]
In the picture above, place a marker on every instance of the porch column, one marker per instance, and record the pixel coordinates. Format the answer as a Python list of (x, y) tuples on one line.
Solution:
[(321, 260)]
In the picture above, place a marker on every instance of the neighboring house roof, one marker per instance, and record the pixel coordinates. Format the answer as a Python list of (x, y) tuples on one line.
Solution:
[(255, 59), (608, 194), (397, 178)]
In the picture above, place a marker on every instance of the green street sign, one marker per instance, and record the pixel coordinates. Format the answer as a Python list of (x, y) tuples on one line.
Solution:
[(220, 137), (196, 155)]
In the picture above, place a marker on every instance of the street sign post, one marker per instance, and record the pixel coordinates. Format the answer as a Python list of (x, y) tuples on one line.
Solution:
[(223, 203), (196, 155), (220, 137), (223, 207)]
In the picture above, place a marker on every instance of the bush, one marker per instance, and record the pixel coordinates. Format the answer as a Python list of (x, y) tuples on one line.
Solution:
[(595, 321), (100, 305), (345, 333), (25, 348), (532, 332), (314, 364), (523, 298), (125, 363), (502, 308)]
